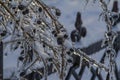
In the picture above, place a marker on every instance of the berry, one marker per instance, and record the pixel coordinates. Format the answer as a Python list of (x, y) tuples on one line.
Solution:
[(21, 7), (50, 59), (13, 7), (53, 32), (40, 9), (83, 31), (21, 58), (72, 50), (44, 45), (65, 36), (58, 13), (69, 61), (55, 35), (22, 73), (59, 40), (25, 12), (18, 42), (109, 34), (108, 51), (3, 33), (39, 22), (22, 52), (75, 37), (34, 30), (68, 52)]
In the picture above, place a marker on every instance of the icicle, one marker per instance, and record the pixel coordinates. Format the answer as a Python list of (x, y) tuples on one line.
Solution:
[(81, 61), (99, 70)]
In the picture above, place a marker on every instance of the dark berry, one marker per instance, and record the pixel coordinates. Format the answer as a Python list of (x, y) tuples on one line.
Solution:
[(21, 46), (40, 9), (109, 34), (69, 61), (18, 42), (53, 32), (21, 7), (59, 40), (25, 12), (34, 30), (72, 50), (39, 22), (65, 36), (78, 22), (75, 36), (108, 51), (115, 6), (83, 31), (58, 13), (22, 73), (68, 52), (55, 35), (13, 7), (3, 33), (44, 45), (21, 58), (22, 52), (50, 59)]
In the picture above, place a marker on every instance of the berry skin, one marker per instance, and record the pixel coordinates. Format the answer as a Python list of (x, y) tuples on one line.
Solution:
[(21, 7)]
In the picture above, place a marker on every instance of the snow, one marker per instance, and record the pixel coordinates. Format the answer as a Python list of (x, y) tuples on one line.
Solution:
[(69, 8)]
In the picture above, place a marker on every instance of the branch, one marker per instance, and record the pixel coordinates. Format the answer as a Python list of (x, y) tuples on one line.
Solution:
[(90, 60)]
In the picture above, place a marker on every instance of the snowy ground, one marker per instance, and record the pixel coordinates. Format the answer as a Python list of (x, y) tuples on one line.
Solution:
[(69, 8)]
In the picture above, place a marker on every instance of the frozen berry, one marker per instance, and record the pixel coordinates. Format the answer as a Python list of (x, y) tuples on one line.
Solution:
[(50, 59), (108, 51), (59, 40), (22, 73), (19, 42), (40, 9), (58, 13), (22, 52), (21, 7), (55, 35), (21, 58), (69, 61), (39, 22), (25, 12), (3, 33), (109, 34), (71, 49), (65, 36), (44, 45), (75, 36), (68, 52), (83, 31), (53, 32), (34, 30)]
